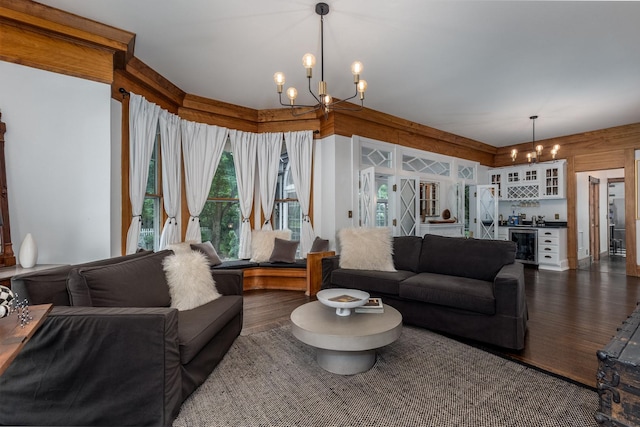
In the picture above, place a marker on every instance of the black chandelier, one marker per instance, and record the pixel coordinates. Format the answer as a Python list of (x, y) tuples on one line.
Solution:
[(324, 101), (535, 155)]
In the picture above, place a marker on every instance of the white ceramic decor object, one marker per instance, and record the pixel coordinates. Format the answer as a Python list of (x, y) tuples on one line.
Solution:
[(343, 300), (28, 252)]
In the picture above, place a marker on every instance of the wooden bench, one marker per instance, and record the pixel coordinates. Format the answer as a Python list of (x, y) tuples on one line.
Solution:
[(295, 277)]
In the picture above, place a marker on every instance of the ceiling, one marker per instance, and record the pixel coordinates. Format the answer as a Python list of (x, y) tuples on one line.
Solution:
[(473, 68)]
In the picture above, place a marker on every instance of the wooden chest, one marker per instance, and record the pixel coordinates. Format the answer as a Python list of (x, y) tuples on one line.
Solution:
[(619, 376)]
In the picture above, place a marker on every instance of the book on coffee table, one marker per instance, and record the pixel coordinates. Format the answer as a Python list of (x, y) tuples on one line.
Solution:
[(374, 305)]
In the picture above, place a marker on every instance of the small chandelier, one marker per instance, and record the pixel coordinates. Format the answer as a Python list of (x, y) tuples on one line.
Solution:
[(535, 155), (324, 101)]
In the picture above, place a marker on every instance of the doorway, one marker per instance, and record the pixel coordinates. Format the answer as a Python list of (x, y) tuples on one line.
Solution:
[(593, 211)]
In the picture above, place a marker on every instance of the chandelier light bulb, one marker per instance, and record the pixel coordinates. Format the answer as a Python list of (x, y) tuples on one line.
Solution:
[(539, 149), (292, 94), (356, 70), (308, 61), (514, 154), (362, 87), (529, 157), (327, 99), (278, 78)]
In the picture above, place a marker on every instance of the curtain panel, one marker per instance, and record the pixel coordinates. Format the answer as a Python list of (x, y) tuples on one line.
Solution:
[(143, 122), (170, 148), (244, 146), (202, 147), (269, 150), (300, 149)]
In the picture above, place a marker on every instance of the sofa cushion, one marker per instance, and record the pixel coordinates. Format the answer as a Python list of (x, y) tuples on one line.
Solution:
[(137, 282), (198, 326), (284, 251), (297, 263), (262, 242), (235, 264), (209, 251), (190, 281), (458, 256), (50, 286), (406, 252), (319, 245), (374, 282), (457, 292), (366, 248)]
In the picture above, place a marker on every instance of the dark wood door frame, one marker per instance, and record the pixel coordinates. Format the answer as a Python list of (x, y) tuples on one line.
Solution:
[(594, 218), (614, 159)]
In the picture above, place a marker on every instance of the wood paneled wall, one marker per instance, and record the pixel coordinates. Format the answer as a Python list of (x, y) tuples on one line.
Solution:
[(43, 37)]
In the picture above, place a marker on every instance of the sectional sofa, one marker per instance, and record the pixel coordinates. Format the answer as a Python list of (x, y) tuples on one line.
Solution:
[(113, 351), (469, 288)]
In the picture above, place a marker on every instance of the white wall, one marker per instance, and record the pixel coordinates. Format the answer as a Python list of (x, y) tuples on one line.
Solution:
[(58, 152), (332, 187)]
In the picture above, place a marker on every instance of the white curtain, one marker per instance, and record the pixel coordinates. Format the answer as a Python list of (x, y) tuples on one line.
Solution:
[(269, 151), (170, 143), (244, 146), (202, 147), (300, 150), (143, 122)]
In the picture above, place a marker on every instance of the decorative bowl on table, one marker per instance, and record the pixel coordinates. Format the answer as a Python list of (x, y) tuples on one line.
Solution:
[(343, 300)]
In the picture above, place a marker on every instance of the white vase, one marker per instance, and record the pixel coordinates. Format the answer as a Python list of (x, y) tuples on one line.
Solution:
[(28, 252)]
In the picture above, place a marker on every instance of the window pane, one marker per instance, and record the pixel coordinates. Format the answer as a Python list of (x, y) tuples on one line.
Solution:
[(152, 180), (150, 233), (220, 224), (224, 184)]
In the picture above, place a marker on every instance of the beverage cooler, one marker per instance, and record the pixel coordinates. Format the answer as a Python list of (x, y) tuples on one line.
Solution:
[(527, 244)]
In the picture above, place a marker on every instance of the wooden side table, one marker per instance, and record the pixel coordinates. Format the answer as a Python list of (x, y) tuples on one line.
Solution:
[(13, 336), (6, 273)]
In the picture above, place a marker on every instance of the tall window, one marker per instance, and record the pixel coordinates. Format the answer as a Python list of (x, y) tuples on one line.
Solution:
[(220, 218), (151, 213), (287, 213)]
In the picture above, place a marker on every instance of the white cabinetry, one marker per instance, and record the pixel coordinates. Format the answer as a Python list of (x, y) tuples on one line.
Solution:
[(531, 181), (497, 178), (553, 185), (454, 229), (552, 249), (503, 233)]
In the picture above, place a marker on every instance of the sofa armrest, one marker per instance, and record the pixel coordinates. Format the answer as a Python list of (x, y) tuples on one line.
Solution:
[(314, 270), (509, 290), (86, 366), (228, 282), (328, 265)]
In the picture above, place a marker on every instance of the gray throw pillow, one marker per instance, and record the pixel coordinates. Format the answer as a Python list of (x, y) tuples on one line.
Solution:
[(284, 251), (320, 245), (136, 282), (209, 251)]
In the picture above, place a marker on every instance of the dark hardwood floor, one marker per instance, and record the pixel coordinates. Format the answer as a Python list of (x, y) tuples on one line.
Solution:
[(572, 314)]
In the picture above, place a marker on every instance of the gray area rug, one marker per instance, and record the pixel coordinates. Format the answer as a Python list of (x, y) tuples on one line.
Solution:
[(423, 379)]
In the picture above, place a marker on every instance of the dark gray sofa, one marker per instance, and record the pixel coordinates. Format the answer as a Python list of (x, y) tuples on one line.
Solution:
[(465, 287), (131, 363)]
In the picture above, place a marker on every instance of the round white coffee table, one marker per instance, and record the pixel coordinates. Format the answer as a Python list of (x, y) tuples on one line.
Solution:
[(345, 345)]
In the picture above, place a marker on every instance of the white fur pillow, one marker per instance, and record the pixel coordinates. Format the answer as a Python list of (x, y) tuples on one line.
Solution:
[(263, 241), (366, 248), (190, 282)]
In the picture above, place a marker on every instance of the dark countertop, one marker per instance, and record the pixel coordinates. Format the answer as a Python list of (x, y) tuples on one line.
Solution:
[(547, 224)]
